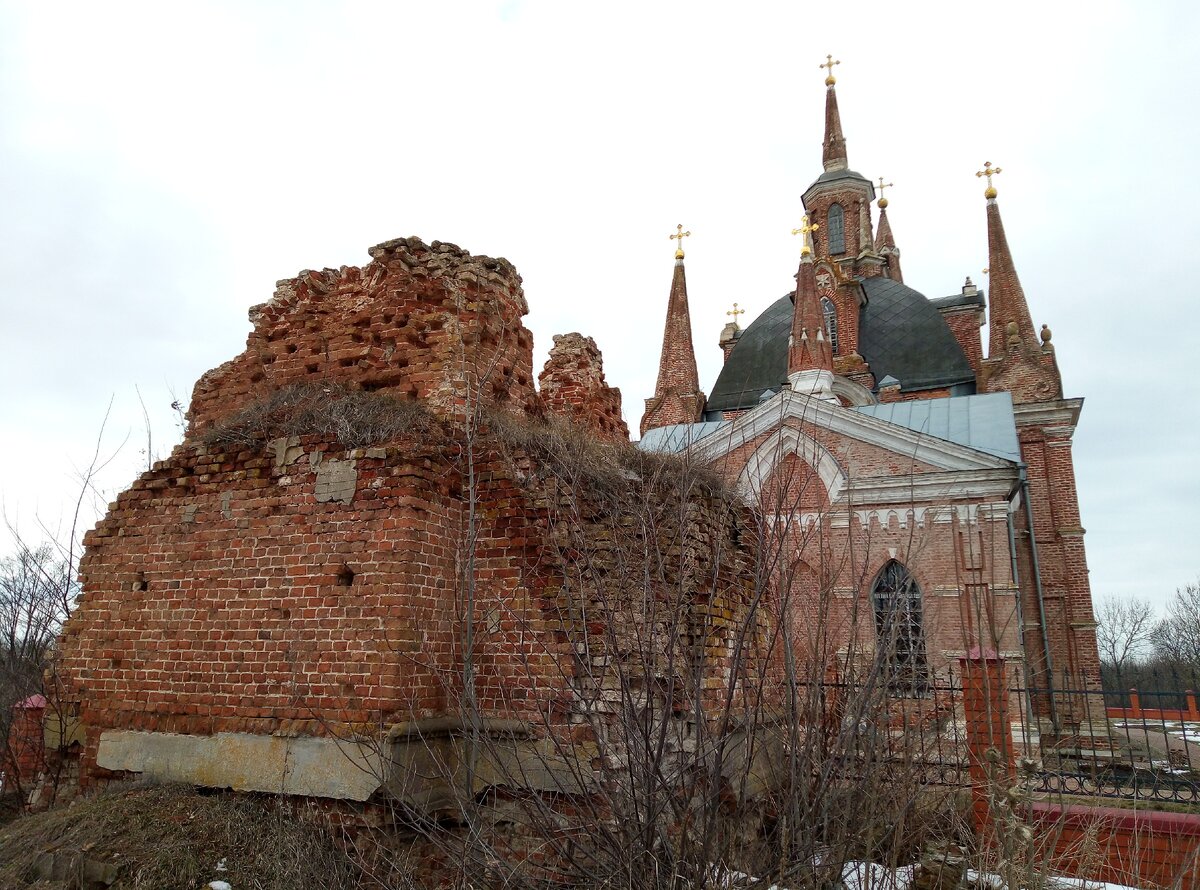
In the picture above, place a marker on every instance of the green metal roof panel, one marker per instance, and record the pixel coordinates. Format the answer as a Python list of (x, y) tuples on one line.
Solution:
[(982, 422), (677, 437)]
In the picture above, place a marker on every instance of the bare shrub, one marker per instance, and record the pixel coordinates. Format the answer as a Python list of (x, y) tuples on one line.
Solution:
[(353, 417)]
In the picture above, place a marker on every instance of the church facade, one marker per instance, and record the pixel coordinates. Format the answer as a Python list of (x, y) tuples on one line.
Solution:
[(919, 487)]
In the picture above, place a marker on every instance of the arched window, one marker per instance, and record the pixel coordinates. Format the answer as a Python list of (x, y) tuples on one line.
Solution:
[(835, 229), (830, 313), (900, 639)]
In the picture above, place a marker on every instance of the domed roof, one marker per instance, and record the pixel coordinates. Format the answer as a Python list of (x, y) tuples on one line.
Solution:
[(900, 334)]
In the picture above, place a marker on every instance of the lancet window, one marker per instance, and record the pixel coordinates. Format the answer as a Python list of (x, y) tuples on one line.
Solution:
[(900, 637), (836, 229), (830, 313)]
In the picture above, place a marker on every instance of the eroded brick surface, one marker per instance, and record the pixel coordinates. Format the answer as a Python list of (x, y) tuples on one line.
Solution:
[(573, 387)]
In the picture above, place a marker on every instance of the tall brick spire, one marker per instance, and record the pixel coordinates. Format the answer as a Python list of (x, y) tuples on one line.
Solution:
[(810, 357), (1010, 324), (833, 155), (1016, 362), (677, 396)]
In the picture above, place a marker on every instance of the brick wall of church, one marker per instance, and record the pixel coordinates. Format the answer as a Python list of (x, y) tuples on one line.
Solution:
[(956, 549)]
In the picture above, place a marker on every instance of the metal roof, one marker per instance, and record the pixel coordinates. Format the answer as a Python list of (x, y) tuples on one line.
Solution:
[(758, 361), (902, 333), (677, 437), (982, 422)]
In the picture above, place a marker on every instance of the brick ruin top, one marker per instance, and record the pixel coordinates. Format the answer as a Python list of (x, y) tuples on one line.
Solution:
[(431, 323)]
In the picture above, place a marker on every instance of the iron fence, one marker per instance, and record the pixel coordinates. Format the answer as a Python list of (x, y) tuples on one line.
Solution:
[(1071, 741)]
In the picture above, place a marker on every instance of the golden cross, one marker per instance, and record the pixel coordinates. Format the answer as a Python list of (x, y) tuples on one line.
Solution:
[(884, 185), (679, 236), (989, 171), (735, 312), (805, 229), (829, 63)]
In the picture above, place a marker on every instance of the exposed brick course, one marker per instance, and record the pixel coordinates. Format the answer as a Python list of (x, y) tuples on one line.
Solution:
[(572, 386)]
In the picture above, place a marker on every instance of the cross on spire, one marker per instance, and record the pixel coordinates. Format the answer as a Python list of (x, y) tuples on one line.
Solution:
[(735, 312), (805, 229), (989, 171), (679, 235), (829, 63), (883, 202)]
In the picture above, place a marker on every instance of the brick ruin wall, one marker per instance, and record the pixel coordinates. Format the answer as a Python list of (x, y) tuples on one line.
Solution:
[(309, 570), (572, 385)]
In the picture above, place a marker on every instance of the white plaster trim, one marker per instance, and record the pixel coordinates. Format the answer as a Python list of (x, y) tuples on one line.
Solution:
[(986, 485), (1063, 412), (854, 393), (784, 441), (788, 405)]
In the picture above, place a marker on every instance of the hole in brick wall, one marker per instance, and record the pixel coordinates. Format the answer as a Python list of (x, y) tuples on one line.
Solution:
[(345, 576), (269, 359), (256, 377), (387, 317), (140, 582), (402, 363), (356, 337), (346, 362), (311, 368), (117, 662), (292, 347)]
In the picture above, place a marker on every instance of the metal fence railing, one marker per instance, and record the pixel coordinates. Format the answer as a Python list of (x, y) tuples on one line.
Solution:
[(1071, 741)]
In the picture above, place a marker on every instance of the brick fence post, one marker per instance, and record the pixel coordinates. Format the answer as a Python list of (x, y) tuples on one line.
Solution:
[(989, 734), (1192, 712), (26, 754), (1135, 704)]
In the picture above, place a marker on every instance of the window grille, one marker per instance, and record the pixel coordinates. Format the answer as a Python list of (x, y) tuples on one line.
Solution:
[(900, 642), (830, 313)]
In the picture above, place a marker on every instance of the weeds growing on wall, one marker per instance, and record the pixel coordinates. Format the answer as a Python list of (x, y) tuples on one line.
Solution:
[(355, 418)]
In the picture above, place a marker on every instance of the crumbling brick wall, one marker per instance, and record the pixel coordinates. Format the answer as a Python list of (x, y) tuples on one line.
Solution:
[(427, 322), (573, 386), (395, 546)]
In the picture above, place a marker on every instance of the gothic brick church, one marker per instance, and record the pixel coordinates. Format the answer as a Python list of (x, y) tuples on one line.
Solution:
[(923, 489)]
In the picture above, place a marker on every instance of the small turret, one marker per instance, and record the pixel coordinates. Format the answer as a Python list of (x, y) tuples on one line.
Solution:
[(810, 356), (885, 243)]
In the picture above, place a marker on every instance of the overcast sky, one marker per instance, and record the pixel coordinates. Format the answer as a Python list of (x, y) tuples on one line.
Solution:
[(163, 164)]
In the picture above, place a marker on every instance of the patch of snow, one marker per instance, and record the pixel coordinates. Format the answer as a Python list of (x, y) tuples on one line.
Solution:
[(219, 885)]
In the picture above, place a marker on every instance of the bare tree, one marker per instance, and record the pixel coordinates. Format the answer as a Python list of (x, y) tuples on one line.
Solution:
[(1125, 627), (1178, 635)]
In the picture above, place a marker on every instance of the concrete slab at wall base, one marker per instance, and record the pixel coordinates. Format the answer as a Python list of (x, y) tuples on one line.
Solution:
[(311, 767)]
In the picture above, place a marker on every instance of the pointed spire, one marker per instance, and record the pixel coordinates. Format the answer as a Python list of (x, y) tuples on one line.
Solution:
[(677, 396), (1009, 322), (833, 154), (885, 242), (810, 357)]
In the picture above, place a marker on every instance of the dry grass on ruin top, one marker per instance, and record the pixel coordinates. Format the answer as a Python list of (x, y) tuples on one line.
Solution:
[(354, 417), (169, 836), (357, 418), (578, 457)]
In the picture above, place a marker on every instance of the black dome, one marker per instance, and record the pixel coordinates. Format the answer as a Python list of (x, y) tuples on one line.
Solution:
[(900, 334)]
